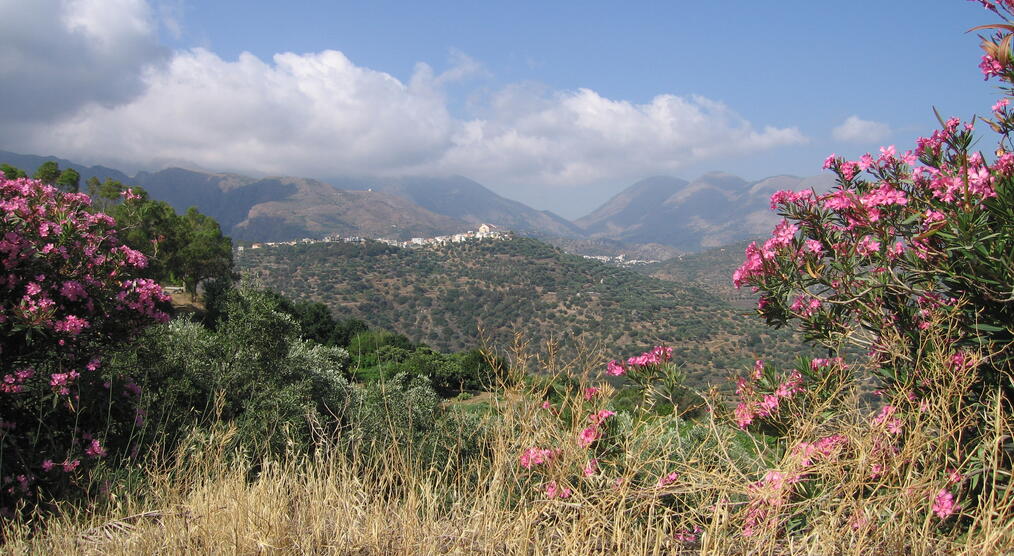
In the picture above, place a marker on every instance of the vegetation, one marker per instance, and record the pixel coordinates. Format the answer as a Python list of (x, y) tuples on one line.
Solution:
[(239, 433), (709, 270), (451, 296)]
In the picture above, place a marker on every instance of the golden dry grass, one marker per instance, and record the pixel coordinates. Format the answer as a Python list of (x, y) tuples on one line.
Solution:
[(208, 502)]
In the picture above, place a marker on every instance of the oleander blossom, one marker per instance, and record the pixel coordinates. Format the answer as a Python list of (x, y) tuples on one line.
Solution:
[(554, 490), (72, 292), (536, 456), (943, 504)]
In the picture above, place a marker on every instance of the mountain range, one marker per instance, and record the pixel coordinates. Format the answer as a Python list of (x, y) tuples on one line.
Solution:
[(673, 214)]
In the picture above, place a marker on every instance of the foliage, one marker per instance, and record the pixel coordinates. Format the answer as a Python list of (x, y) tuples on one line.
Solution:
[(253, 370), (456, 297), (69, 294), (911, 257)]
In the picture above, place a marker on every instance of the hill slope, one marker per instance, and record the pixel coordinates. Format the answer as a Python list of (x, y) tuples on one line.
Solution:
[(443, 296), (709, 270), (283, 208), (713, 210), (464, 199)]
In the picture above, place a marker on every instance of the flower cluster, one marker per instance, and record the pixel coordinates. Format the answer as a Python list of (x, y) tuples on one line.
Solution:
[(756, 401), (537, 456), (593, 432), (656, 356), (68, 293), (884, 250)]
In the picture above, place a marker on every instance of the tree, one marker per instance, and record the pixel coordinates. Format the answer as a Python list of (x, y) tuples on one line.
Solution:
[(12, 173), (69, 181), (205, 253), (47, 172)]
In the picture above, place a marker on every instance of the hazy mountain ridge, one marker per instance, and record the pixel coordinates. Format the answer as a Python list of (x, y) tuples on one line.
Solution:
[(465, 199), (653, 218), (713, 210)]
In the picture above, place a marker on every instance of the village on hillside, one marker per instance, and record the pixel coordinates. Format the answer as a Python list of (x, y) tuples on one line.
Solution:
[(485, 231)]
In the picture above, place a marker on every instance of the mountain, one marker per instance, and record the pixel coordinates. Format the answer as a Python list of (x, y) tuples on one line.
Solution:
[(444, 296), (715, 209), (464, 199), (283, 208), (29, 162)]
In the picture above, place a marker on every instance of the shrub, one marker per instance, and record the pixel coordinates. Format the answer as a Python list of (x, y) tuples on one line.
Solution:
[(911, 257), (69, 294), (254, 370)]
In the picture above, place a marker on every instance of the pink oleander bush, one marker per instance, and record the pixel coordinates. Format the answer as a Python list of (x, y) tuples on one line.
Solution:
[(910, 257), (69, 295)]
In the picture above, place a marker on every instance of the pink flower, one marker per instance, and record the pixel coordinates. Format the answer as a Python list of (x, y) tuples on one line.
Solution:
[(943, 504), (885, 413), (554, 490), (868, 246), (536, 456), (69, 466), (590, 392), (954, 477), (95, 449), (587, 436), (48, 465), (615, 368), (687, 535), (601, 416), (591, 467), (129, 195), (990, 66), (668, 479)]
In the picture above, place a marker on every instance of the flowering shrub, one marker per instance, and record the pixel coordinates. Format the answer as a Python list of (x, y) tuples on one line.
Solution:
[(68, 294), (656, 377), (911, 257)]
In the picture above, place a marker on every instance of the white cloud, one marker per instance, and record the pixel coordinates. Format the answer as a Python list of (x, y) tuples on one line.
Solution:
[(319, 114), (581, 136), (857, 130)]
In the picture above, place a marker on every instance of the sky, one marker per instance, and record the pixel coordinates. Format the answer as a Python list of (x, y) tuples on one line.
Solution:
[(559, 105)]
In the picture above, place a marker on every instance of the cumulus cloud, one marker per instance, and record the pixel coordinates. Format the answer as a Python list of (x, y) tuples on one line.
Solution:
[(320, 114), (300, 114), (581, 136), (857, 130), (59, 55)]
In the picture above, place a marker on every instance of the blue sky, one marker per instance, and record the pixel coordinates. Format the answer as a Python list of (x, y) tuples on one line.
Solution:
[(556, 104)]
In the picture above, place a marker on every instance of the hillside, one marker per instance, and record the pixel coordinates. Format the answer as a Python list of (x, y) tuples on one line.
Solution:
[(444, 296), (714, 210), (465, 199), (709, 270)]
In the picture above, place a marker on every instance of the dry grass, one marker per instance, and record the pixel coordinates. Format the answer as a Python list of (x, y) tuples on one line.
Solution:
[(336, 503)]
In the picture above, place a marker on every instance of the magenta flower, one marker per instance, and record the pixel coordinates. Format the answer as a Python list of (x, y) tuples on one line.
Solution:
[(615, 368), (668, 479), (95, 449), (536, 456), (554, 490), (943, 504), (588, 436)]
